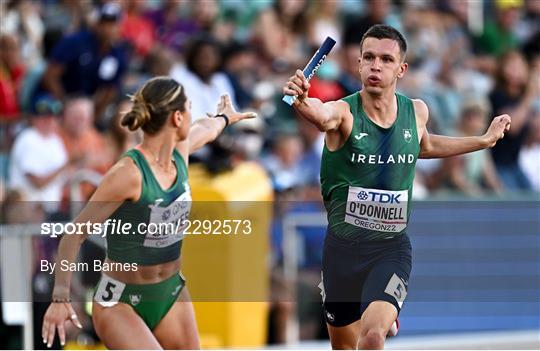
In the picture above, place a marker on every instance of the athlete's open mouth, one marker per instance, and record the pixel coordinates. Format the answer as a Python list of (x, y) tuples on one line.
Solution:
[(374, 80)]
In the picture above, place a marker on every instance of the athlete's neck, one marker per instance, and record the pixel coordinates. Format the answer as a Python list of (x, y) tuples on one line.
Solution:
[(160, 149), (381, 108)]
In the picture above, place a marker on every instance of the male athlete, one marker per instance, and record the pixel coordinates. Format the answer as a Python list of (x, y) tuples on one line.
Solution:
[(373, 139)]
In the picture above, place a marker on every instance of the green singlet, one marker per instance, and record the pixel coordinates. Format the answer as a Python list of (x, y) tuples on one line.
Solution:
[(367, 183), (157, 218), (157, 228)]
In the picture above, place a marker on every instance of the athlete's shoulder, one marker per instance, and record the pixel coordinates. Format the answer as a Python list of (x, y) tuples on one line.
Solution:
[(346, 104), (127, 169), (420, 109), (350, 98), (123, 181), (339, 104)]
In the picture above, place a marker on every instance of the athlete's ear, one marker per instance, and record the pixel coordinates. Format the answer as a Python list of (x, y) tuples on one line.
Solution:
[(177, 118), (402, 69)]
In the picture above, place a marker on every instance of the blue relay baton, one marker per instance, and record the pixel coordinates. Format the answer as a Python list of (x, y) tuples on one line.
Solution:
[(314, 64)]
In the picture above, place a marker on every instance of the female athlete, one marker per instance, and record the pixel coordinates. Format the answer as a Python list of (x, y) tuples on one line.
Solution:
[(141, 301)]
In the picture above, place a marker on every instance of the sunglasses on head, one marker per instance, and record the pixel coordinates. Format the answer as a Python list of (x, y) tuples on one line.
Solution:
[(48, 107)]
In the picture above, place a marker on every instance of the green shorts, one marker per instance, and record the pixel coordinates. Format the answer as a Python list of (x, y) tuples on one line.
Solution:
[(150, 301)]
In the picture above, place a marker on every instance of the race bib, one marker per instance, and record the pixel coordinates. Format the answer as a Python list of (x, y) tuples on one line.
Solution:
[(167, 224), (397, 288), (374, 209), (109, 291)]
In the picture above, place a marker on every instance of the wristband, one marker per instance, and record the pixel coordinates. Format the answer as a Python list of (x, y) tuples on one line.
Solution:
[(224, 117), (67, 300)]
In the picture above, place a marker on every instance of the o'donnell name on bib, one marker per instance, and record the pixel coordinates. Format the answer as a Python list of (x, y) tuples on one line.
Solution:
[(97, 266), (375, 209)]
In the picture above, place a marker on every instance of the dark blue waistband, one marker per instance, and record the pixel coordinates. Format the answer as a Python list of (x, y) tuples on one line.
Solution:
[(334, 240)]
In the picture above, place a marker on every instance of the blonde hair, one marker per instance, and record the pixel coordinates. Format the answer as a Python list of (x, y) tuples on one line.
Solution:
[(153, 103)]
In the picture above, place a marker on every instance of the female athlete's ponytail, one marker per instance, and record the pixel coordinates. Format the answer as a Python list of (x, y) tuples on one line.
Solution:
[(139, 114), (153, 104)]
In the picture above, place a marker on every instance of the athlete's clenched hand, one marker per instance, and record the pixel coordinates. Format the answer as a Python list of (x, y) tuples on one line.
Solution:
[(297, 85), (57, 316), (497, 128)]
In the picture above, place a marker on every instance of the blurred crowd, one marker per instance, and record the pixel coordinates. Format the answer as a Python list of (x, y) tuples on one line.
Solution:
[(67, 68)]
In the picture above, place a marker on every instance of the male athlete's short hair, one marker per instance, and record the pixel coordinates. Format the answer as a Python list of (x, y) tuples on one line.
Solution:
[(383, 31)]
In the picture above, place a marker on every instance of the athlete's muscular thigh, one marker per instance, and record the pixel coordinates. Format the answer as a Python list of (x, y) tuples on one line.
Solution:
[(119, 327), (178, 329)]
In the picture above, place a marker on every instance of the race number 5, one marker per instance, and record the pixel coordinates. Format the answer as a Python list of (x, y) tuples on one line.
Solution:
[(108, 294), (109, 290)]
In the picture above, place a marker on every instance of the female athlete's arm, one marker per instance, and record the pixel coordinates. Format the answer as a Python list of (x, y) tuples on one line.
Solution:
[(206, 130), (437, 146), (121, 183)]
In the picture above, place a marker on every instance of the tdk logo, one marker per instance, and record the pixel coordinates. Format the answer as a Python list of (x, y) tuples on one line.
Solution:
[(362, 195), (378, 197)]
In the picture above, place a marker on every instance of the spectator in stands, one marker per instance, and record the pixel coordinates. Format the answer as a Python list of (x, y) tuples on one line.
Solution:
[(280, 31), (34, 74), (173, 30), (89, 62), (499, 35), (201, 78), (474, 66), (529, 29), (325, 85), (430, 173), (240, 67), (310, 162), (529, 155), (158, 62), (324, 21), (475, 172), (349, 78), (11, 75), (81, 139), (434, 56), (22, 18), (378, 11), (39, 162), (136, 29), (204, 13), (529, 23), (67, 16), (247, 140), (515, 92), (283, 164)]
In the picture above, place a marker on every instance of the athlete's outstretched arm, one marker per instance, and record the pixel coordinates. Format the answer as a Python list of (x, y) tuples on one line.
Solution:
[(206, 130), (122, 182), (437, 146), (325, 116)]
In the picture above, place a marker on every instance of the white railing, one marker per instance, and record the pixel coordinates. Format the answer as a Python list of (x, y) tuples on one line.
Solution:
[(16, 261), (290, 250)]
